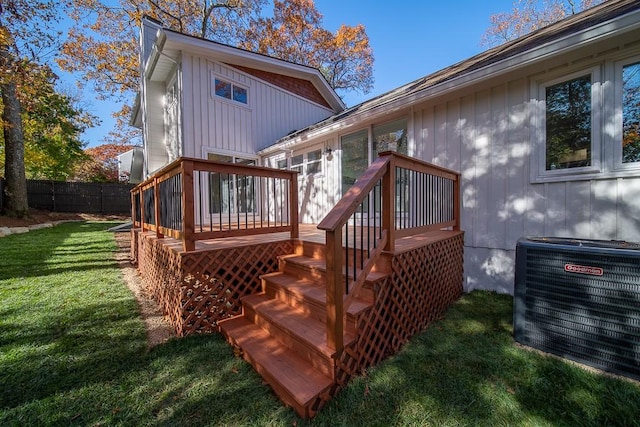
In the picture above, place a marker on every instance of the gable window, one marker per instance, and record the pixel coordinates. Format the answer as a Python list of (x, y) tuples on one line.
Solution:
[(231, 91)]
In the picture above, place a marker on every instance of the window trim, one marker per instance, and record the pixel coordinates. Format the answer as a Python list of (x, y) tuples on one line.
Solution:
[(618, 165), (539, 173)]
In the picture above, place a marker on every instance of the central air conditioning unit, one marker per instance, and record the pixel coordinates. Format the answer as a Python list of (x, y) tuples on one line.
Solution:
[(580, 299)]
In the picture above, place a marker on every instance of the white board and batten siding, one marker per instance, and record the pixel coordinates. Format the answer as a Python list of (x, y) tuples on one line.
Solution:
[(487, 137), (213, 123)]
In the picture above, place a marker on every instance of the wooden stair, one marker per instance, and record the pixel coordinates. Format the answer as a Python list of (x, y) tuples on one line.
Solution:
[(282, 330)]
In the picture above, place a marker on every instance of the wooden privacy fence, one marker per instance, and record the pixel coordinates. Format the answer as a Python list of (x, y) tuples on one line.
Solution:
[(397, 196), (84, 197), (193, 199)]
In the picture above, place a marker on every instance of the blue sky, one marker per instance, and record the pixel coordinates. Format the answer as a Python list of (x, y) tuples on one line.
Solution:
[(410, 39)]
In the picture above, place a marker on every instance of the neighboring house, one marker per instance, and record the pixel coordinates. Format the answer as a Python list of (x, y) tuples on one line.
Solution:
[(543, 129)]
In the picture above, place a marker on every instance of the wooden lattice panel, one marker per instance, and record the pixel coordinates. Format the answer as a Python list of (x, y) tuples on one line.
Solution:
[(233, 272), (197, 289), (422, 284)]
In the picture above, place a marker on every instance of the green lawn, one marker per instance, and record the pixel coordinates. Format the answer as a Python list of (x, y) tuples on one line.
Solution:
[(73, 352)]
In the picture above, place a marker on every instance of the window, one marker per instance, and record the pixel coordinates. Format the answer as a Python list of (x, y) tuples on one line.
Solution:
[(281, 163), (309, 163), (631, 113), (390, 136), (297, 163), (230, 91), (314, 162), (588, 123), (568, 124), (355, 157)]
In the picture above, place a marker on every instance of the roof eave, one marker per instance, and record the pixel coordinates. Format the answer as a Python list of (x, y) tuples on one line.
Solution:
[(615, 27)]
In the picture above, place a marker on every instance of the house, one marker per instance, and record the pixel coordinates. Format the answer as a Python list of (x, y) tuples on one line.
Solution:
[(534, 137), (489, 117), (485, 117)]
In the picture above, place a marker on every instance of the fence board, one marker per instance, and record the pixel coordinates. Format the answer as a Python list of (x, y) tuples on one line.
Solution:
[(85, 197)]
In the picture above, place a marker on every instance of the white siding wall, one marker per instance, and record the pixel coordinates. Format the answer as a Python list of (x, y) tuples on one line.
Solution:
[(486, 135), (156, 150), (213, 122), (489, 132)]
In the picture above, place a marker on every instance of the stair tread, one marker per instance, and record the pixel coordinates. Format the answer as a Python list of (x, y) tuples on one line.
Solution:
[(320, 264), (301, 380), (295, 321), (308, 289)]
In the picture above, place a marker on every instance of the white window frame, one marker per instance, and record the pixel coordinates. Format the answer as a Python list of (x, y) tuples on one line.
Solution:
[(233, 84), (618, 166), (539, 137), (305, 162)]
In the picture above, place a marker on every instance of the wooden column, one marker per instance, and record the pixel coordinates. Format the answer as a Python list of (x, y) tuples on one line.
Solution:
[(188, 222), (335, 290)]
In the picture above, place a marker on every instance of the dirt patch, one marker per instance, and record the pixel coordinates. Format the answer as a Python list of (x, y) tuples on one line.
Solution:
[(159, 330), (41, 217)]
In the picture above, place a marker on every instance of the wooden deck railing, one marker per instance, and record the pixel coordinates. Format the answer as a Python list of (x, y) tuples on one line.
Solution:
[(397, 196), (194, 199)]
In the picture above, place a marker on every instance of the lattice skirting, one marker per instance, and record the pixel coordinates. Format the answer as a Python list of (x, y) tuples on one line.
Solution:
[(423, 283), (197, 289)]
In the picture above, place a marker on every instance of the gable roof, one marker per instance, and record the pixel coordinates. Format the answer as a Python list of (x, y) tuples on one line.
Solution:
[(598, 22), (169, 44)]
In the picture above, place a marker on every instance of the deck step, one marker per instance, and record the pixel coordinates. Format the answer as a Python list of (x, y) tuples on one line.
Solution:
[(295, 329), (307, 296), (293, 379), (313, 269)]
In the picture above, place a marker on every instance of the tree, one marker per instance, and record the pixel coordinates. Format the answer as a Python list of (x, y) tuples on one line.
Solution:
[(528, 16), (25, 37), (295, 34), (102, 43), (51, 127)]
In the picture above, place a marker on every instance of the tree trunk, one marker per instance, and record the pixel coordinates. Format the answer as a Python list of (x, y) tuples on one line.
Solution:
[(14, 173)]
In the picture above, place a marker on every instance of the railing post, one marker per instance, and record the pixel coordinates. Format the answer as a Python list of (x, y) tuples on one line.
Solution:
[(143, 220), (456, 202), (388, 208), (156, 194), (335, 290), (293, 205), (133, 208), (188, 226)]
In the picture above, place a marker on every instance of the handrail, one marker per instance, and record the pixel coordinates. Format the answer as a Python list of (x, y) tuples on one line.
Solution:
[(182, 199), (411, 197)]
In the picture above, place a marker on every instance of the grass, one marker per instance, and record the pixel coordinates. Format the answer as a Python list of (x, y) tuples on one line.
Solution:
[(73, 352)]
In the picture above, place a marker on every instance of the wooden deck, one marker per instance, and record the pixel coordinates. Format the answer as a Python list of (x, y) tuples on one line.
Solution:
[(308, 306), (267, 295)]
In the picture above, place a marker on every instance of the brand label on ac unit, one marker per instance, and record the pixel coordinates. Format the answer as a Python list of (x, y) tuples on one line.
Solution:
[(583, 269)]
